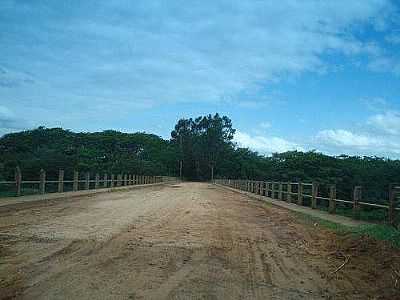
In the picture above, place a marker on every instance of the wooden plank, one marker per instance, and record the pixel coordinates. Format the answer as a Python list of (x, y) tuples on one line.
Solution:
[(18, 181), (97, 181), (356, 199), (314, 203), (61, 181), (112, 181), (332, 199), (42, 184), (300, 194), (392, 204), (75, 185), (289, 193), (87, 180), (105, 180)]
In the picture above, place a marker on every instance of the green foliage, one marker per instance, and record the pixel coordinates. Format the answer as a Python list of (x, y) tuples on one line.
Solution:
[(108, 151), (203, 143)]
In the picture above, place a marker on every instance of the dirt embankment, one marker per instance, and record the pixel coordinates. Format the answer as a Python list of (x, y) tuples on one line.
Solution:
[(182, 242)]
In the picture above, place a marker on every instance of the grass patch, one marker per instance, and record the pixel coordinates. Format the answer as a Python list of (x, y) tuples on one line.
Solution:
[(376, 231), (376, 215)]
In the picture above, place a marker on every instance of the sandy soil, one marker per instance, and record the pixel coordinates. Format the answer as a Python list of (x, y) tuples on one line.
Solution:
[(185, 241)]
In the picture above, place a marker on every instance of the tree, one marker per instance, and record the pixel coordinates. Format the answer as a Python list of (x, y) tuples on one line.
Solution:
[(201, 142)]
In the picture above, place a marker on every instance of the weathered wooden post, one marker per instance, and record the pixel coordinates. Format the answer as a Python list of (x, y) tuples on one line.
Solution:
[(105, 180), (87, 181), (280, 191), (356, 199), (75, 185), (289, 192), (125, 179), (130, 179), (273, 190), (314, 194), (60, 181), (112, 180), (97, 181), (42, 184), (300, 193), (18, 181), (135, 179), (332, 199), (393, 195)]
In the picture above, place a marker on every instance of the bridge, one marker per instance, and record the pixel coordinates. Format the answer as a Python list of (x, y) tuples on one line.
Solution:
[(172, 240)]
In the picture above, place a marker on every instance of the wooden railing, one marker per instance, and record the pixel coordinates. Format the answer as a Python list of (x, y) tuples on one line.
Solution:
[(294, 192), (90, 181)]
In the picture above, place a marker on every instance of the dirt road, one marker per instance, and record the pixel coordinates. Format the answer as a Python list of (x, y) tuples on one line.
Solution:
[(186, 241)]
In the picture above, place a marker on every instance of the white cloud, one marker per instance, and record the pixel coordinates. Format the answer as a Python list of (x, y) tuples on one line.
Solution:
[(340, 141), (265, 144), (340, 137), (388, 122)]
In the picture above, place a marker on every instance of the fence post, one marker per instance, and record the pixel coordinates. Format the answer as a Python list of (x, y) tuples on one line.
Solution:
[(97, 181), (332, 199), (75, 185), (125, 179), (392, 203), (280, 194), (314, 199), (42, 184), (87, 181), (61, 181), (273, 190), (105, 183), (356, 199), (18, 180), (112, 181), (300, 194), (289, 193)]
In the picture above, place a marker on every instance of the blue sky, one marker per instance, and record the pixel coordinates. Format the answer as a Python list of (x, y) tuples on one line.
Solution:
[(303, 75)]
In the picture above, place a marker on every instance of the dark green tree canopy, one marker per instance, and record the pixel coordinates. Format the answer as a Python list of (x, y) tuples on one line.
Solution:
[(203, 144)]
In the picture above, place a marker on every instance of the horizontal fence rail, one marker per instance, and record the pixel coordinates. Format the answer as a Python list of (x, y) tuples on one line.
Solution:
[(300, 192), (88, 181)]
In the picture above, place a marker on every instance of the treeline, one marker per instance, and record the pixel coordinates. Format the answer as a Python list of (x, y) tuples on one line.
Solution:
[(198, 149), (108, 151)]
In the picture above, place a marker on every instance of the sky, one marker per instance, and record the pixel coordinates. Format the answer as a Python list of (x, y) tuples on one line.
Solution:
[(292, 75)]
